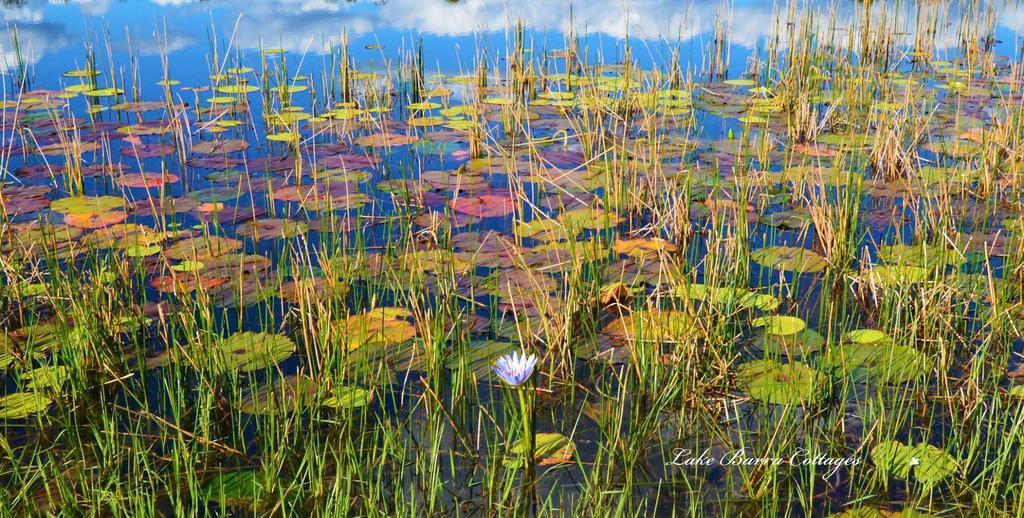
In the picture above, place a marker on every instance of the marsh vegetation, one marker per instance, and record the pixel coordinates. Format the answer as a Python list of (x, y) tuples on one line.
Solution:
[(283, 290)]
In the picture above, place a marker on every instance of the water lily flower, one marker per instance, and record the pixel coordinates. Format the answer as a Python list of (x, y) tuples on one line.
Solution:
[(515, 368)]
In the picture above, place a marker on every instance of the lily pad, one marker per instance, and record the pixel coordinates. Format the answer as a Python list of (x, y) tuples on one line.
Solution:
[(490, 205), (481, 357), (233, 489), (46, 377), (644, 247), (347, 398), (385, 140), (20, 405), (94, 220), (380, 327), (780, 384), (650, 326), (897, 275), (880, 361), (928, 464), (795, 345), (86, 204), (292, 393), (726, 296), (272, 228), (146, 180), (202, 247), (867, 336), (188, 266), (780, 325), (124, 236), (247, 351), (549, 449), (790, 259)]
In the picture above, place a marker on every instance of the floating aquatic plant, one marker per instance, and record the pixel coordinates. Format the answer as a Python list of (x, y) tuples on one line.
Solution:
[(928, 464)]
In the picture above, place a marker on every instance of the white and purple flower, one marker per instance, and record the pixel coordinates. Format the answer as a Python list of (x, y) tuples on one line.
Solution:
[(515, 368)]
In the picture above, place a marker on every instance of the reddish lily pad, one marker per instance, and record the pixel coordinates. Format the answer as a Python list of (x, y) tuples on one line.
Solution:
[(146, 180), (491, 205)]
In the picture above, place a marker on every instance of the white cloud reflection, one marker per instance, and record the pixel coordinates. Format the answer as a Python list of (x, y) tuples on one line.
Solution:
[(300, 25)]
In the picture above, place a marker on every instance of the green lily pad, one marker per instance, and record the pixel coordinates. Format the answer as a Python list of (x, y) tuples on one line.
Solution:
[(867, 336), (237, 89), (272, 228), (86, 204), (39, 338), (104, 92), (203, 248), (780, 325), (913, 255), (248, 351), (928, 464), (124, 236), (791, 219), (425, 121), (790, 259), (881, 362), (935, 464), (233, 489), (32, 289), (82, 72), (740, 82), (655, 326), (780, 384), (481, 356), (188, 266), (762, 301), (8, 352), (284, 136), (753, 119), (796, 345), (588, 218), (347, 398), (292, 393), (897, 275), (46, 377), (549, 449), (141, 251), (423, 106), (23, 404)]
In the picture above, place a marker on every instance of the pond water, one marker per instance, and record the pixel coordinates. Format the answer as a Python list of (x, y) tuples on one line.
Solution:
[(262, 256), (53, 33)]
